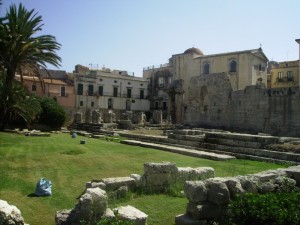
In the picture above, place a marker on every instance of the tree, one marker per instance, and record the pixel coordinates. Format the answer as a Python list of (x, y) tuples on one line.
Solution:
[(21, 50), (52, 115)]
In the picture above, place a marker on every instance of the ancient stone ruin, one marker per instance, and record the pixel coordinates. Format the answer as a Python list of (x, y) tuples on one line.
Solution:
[(158, 177), (10, 214)]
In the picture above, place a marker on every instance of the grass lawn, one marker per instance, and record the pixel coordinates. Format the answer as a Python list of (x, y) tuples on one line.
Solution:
[(69, 165)]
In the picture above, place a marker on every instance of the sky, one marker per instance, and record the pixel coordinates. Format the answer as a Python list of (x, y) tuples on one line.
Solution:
[(132, 34)]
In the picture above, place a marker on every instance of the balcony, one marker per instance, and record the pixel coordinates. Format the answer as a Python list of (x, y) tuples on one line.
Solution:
[(285, 79)]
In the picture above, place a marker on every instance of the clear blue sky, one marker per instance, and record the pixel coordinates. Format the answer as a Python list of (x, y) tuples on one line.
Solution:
[(132, 34)]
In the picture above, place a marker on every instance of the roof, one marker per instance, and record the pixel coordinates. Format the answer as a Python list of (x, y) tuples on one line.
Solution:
[(45, 80), (54, 74), (193, 51)]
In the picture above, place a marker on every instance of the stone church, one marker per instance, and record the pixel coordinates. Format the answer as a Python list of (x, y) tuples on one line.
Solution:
[(226, 90)]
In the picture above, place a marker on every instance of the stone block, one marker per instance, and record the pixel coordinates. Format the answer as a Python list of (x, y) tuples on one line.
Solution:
[(156, 168), (189, 174), (112, 184), (160, 179), (10, 214), (195, 191), (137, 179), (217, 192), (204, 211), (94, 184), (184, 219), (234, 186), (130, 213)]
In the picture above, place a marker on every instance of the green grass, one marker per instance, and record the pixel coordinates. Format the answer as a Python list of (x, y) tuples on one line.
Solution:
[(69, 165)]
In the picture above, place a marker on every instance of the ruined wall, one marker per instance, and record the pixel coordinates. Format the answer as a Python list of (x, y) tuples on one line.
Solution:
[(212, 102)]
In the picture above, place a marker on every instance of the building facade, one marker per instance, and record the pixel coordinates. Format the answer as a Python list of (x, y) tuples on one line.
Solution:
[(241, 68), (110, 90)]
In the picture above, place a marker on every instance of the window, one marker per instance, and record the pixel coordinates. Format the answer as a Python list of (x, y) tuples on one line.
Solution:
[(110, 103), (81, 103), (115, 92), (280, 76), (128, 92), (33, 87), (290, 76), (92, 104), (161, 82), (156, 105), (90, 90), (206, 68), (63, 91), (80, 89), (141, 94), (164, 105), (100, 91), (232, 66)]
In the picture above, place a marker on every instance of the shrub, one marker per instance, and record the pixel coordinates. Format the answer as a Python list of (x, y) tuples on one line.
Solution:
[(52, 115), (278, 208)]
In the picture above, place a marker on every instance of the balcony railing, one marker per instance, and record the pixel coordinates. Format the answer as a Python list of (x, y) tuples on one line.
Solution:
[(285, 79), (110, 94)]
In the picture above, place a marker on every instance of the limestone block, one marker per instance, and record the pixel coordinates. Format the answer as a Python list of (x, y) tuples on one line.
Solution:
[(132, 214), (112, 184), (94, 184), (184, 219), (294, 172), (195, 191), (248, 184), (201, 173), (10, 214), (217, 192), (285, 182), (268, 187), (137, 179), (62, 217), (84, 208), (156, 168), (206, 210), (99, 200), (264, 177), (160, 179), (234, 186), (108, 213), (122, 191)]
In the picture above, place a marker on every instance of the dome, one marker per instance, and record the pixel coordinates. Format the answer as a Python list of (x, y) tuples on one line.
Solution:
[(194, 51)]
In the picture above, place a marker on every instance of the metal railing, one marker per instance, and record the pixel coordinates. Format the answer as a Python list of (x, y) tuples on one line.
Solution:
[(156, 66), (285, 79)]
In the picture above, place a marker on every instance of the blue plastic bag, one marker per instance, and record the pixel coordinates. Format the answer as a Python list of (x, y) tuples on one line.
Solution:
[(43, 188)]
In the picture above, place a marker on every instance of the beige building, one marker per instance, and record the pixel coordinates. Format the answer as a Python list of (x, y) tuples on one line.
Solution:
[(284, 74), (242, 68), (109, 90)]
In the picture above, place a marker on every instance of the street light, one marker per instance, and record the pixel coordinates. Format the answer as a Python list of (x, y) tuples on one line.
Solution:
[(298, 41)]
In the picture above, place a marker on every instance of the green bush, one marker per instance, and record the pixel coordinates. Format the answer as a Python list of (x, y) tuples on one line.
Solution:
[(52, 115), (278, 208)]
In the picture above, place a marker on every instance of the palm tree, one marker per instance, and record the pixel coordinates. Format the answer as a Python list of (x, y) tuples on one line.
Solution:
[(21, 50)]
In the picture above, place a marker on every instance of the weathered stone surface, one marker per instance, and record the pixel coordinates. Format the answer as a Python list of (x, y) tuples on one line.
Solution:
[(268, 187), (93, 184), (234, 186), (294, 172), (184, 219), (10, 214), (217, 192), (156, 168), (195, 191), (137, 179), (108, 213), (132, 214), (249, 184), (205, 210), (122, 191), (112, 184), (201, 173), (159, 179), (63, 217)]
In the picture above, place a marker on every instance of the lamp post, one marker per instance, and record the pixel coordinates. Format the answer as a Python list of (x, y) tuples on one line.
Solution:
[(298, 41)]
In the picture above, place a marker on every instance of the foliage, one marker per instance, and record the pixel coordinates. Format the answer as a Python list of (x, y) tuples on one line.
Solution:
[(278, 208), (22, 105), (23, 52), (52, 115), (114, 221)]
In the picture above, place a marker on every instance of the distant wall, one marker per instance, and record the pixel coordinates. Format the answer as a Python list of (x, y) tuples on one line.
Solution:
[(212, 103)]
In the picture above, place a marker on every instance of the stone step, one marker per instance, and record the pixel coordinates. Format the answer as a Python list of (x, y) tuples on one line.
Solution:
[(233, 143), (193, 138), (180, 150), (263, 153), (264, 139)]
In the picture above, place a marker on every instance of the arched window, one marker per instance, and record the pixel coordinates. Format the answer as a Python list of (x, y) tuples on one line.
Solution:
[(233, 66), (206, 68), (110, 103)]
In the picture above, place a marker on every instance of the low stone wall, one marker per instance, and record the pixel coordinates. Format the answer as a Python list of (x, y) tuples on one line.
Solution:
[(157, 177), (208, 199)]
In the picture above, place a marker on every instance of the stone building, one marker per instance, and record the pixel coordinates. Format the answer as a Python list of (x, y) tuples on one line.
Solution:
[(240, 68), (284, 74), (57, 84), (109, 90)]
